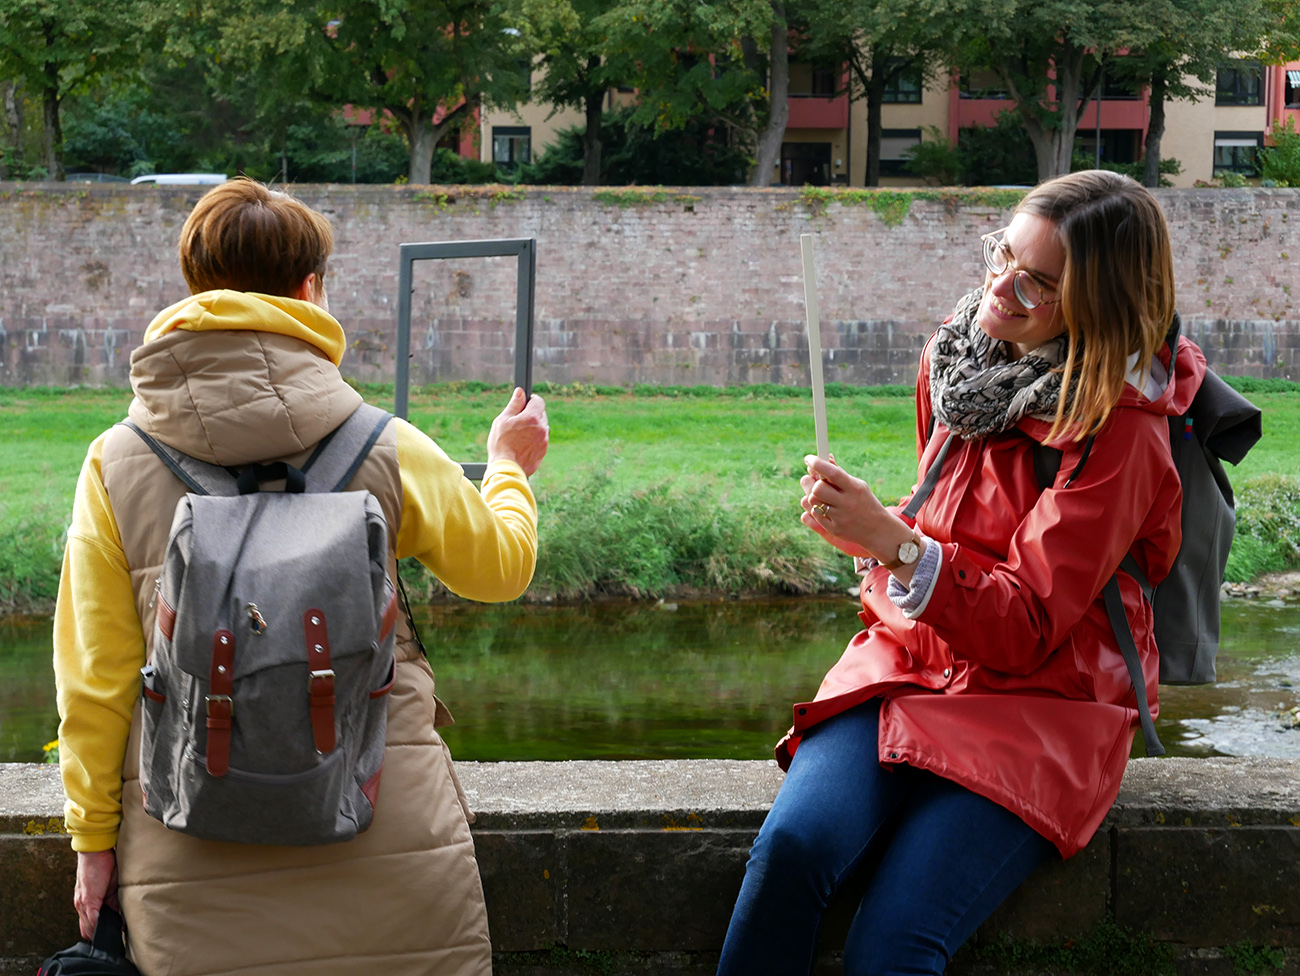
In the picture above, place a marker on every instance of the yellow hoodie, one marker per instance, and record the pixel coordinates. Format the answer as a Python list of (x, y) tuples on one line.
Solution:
[(482, 545)]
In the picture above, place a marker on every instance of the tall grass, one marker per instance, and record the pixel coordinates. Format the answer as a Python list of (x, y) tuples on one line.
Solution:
[(1268, 528)]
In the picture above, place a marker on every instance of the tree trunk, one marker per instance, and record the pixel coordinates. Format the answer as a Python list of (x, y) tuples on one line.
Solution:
[(875, 99), (591, 145), (1054, 143), (1155, 131), (778, 94), (53, 126), (11, 156), (421, 138)]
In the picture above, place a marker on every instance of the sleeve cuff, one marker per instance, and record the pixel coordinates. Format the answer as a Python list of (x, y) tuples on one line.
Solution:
[(913, 599)]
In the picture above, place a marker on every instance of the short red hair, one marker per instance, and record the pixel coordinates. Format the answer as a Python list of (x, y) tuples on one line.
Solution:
[(245, 237)]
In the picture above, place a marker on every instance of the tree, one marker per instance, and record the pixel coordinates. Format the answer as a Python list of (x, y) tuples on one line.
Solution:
[(702, 61), (579, 65), (1050, 55), (882, 40), (1188, 41), (427, 64), (58, 47)]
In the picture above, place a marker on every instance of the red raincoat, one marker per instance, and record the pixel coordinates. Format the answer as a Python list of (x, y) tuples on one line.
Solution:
[(1011, 681)]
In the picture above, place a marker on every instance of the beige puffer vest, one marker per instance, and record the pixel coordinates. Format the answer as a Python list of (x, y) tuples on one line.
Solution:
[(403, 897)]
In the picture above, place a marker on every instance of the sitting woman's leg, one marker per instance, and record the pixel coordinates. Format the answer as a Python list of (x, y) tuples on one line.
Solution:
[(953, 858), (834, 799)]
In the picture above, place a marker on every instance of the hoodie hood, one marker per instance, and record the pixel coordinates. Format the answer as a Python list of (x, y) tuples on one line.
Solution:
[(233, 378), (1182, 376)]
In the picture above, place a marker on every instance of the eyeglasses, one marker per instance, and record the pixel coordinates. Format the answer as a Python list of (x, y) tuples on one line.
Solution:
[(1030, 292)]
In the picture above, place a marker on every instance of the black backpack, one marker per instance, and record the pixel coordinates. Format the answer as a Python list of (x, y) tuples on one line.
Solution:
[(101, 956), (1221, 425)]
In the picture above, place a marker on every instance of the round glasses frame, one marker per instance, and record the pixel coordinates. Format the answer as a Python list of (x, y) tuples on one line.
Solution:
[(1029, 292)]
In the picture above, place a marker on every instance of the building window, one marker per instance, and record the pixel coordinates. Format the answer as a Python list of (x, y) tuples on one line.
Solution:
[(894, 144), (1239, 83), (905, 86), (1292, 88), (813, 80), (982, 83), (1237, 152), (511, 145)]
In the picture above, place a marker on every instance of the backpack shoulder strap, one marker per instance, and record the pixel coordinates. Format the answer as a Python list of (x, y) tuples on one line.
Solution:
[(200, 477), (1124, 635), (931, 477), (342, 451)]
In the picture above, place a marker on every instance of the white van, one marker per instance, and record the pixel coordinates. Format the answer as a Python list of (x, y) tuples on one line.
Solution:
[(181, 179)]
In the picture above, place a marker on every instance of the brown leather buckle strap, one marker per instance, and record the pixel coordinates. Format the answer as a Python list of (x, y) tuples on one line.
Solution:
[(320, 681), (220, 706), (389, 620)]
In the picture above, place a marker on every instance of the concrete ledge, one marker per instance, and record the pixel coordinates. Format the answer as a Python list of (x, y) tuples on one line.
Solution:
[(632, 867)]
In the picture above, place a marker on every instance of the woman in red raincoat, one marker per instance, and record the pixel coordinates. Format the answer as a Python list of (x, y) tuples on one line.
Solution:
[(982, 720)]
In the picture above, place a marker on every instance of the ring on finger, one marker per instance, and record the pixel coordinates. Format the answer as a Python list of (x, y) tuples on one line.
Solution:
[(822, 509)]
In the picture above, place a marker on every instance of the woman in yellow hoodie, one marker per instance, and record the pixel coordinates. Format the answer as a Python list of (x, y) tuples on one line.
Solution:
[(245, 371)]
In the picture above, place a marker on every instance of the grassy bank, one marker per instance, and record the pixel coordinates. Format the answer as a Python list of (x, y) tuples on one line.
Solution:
[(646, 492)]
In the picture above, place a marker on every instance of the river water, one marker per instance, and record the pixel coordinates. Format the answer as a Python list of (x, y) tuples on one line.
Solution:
[(697, 680)]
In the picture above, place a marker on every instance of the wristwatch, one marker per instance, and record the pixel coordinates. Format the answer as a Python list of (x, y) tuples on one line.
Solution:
[(908, 553)]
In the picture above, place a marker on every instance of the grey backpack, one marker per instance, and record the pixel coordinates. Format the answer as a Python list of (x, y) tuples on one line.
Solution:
[(265, 699)]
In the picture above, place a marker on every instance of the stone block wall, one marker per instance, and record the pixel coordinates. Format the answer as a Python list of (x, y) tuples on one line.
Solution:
[(633, 868), (692, 286)]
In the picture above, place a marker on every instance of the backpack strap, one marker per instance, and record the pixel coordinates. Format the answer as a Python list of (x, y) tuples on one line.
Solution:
[(931, 477), (343, 450), (1124, 634), (199, 476)]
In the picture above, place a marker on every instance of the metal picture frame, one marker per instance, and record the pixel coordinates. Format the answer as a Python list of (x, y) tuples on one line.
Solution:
[(525, 249)]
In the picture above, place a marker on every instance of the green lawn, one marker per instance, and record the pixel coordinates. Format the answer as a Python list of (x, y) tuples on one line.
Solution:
[(640, 493)]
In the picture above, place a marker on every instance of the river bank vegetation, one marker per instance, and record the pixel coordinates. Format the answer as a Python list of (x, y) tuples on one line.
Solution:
[(647, 493)]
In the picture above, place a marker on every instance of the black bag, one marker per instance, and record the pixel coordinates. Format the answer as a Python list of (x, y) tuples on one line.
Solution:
[(104, 955)]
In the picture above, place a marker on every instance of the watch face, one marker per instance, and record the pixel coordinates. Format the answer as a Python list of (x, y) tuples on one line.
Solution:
[(908, 552)]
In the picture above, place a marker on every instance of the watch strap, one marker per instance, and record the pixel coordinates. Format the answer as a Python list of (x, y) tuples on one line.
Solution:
[(896, 562)]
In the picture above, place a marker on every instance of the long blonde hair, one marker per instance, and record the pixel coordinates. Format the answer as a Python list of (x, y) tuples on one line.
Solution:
[(1117, 290)]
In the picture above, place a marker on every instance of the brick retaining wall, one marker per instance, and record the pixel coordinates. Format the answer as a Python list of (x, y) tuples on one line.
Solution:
[(633, 867), (697, 286)]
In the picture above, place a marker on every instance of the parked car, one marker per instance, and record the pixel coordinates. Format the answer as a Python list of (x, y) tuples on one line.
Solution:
[(181, 179), (95, 178)]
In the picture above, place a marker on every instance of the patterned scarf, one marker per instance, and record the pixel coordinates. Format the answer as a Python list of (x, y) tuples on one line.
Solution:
[(977, 389)]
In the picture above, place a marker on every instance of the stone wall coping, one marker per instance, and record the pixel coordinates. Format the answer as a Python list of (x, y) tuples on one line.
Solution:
[(706, 793), (672, 194)]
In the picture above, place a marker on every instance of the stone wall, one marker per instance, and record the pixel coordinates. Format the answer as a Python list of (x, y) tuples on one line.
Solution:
[(633, 286), (624, 868)]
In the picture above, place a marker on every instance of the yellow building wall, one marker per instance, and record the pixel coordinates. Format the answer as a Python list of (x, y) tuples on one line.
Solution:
[(932, 110), (537, 116), (1190, 128)]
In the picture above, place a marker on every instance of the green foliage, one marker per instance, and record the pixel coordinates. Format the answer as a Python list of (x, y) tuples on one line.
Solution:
[(634, 153), (893, 206), (1268, 528), (1250, 959), (31, 550), (1255, 384), (1108, 950), (999, 154), (61, 48), (934, 160), (1169, 166), (1281, 161), (597, 539)]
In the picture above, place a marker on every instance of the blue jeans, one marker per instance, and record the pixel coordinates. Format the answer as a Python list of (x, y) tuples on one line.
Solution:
[(947, 859)]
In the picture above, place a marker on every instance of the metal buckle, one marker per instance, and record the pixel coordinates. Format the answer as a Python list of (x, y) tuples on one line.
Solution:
[(313, 675), (212, 699)]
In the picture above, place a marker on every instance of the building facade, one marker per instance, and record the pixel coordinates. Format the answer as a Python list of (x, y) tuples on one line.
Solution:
[(826, 137)]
